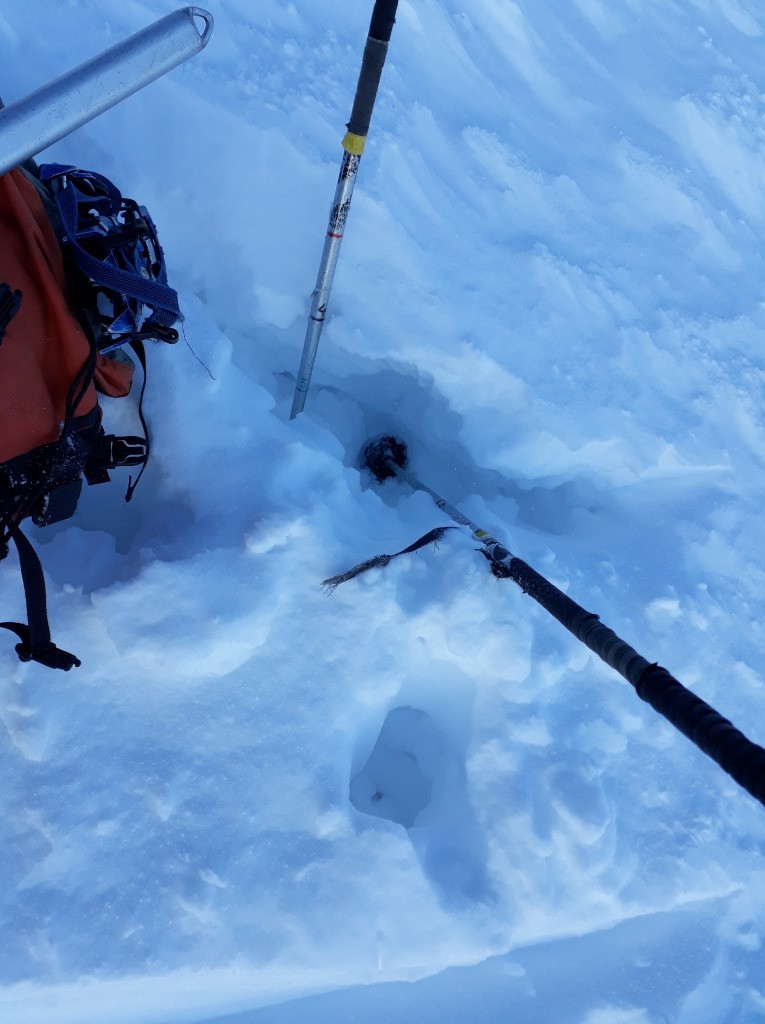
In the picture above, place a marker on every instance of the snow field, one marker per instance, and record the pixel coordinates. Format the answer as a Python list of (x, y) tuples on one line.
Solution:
[(550, 286)]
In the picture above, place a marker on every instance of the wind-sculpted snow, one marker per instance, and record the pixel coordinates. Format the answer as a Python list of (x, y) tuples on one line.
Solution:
[(551, 288)]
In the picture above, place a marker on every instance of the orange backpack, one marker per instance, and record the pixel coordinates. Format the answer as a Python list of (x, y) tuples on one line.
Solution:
[(51, 371)]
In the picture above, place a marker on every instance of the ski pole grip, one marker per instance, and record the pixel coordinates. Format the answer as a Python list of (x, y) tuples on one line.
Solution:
[(375, 52), (742, 759), (728, 747), (586, 626), (383, 18)]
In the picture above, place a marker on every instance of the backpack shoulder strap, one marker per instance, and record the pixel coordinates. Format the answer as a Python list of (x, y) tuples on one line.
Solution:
[(35, 642)]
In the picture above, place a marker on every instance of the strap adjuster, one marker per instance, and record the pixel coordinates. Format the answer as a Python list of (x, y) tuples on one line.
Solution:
[(112, 451), (49, 655)]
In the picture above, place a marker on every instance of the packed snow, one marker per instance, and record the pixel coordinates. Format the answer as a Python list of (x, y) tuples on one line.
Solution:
[(416, 798)]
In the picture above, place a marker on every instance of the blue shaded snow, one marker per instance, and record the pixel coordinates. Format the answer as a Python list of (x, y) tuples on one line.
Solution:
[(551, 287)]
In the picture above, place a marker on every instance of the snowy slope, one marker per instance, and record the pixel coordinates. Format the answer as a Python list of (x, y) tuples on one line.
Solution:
[(551, 288)]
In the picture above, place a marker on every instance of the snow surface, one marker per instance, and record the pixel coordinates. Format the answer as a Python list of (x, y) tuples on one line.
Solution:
[(551, 287)]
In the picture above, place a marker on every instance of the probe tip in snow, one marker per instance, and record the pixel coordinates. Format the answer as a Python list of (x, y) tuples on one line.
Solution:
[(382, 451)]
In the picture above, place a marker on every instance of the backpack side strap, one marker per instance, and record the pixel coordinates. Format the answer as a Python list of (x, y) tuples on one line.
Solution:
[(35, 642)]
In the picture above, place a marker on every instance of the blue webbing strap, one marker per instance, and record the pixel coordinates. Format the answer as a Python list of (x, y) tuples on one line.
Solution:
[(162, 299)]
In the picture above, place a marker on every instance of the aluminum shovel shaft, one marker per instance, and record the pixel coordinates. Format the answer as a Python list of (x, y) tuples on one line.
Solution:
[(58, 108)]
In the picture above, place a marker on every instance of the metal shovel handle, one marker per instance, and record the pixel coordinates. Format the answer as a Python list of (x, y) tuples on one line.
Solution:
[(58, 108)]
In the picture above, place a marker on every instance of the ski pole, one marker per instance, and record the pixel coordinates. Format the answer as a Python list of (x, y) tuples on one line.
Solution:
[(58, 108), (375, 52), (742, 759)]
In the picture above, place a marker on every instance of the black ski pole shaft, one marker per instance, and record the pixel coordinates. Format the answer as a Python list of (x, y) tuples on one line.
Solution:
[(742, 759), (375, 52)]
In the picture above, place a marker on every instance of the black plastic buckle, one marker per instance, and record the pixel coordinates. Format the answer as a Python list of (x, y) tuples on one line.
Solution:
[(116, 451), (48, 655)]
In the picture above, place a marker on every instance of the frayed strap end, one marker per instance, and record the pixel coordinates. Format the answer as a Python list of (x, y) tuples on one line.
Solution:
[(380, 561)]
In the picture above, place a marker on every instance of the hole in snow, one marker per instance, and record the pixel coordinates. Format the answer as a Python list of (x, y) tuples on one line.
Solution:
[(396, 782)]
